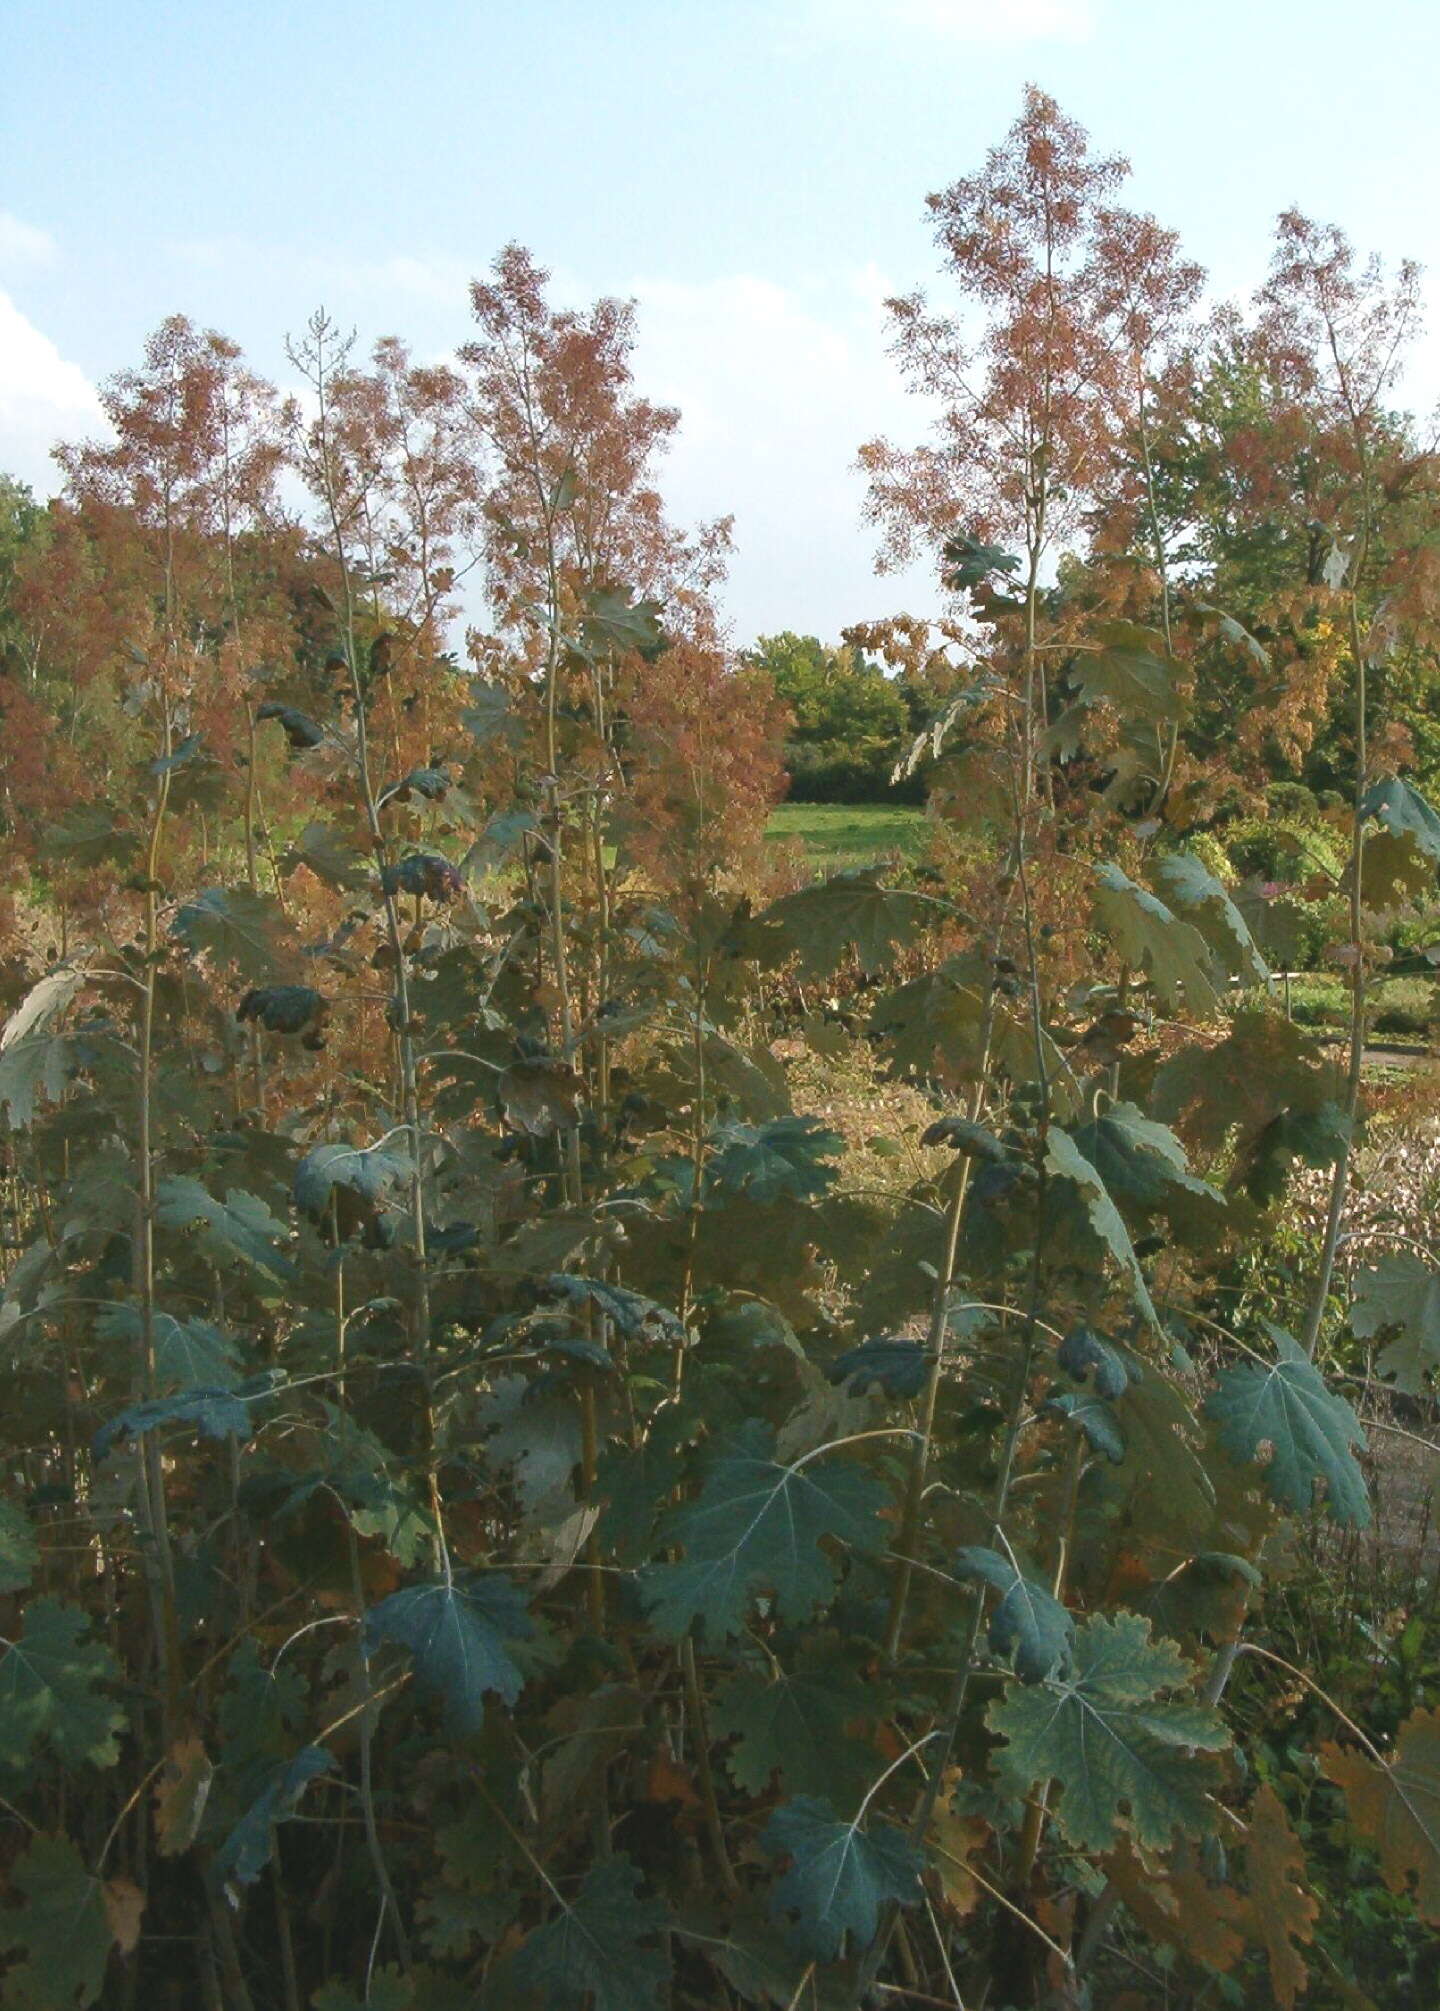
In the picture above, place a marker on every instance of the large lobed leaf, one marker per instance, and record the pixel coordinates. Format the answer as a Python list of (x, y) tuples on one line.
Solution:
[(757, 1528), (1401, 1293), (594, 1952), (848, 911), (1173, 954), (64, 1931), (1121, 1758), (794, 1723), (839, 1876), (1193, 890), (456, 1630), (239, 1227), (1310, 1431), (239, 927), (50, 1690)]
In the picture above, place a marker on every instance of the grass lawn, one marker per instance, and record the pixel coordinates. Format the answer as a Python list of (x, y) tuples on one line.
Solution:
[(849, 834)]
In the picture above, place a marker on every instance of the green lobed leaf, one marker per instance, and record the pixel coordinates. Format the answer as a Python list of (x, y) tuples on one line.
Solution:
[(370, 1174), (1095, 1416), (848, 911), (1400, 1293), (1404, 812), (839, 1876), (631, 1313), (758, 1528), (239, 1227), (1173, 954), (246, 1851), (1121, 1759), (49, 1691), (1191, 889), (794, 1723), (189, 1354), (593, 1954), (1310, 1431), (1066, 1161), (788, 1157), (456, 1631), (1028, 1620), (61, 1932), (238, 927), (214, 1414)]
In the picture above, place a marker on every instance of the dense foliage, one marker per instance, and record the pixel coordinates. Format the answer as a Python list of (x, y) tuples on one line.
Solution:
[(493, 1514)]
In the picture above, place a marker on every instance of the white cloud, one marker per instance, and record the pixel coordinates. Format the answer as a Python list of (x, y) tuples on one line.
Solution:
[(43, 399), (963, 20), (777, 388), (22, 244)]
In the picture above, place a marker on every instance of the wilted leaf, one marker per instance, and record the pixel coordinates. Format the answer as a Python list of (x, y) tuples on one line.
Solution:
[(299, 728), (891, 1363), (1083, 1354), (971, 1141), (287, 1009), (422, 873), (1283, 1908), (181, 1793), (246, 1851), (1398, 1807)]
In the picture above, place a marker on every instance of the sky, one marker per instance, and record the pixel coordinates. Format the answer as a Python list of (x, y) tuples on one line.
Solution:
[(751, 172)]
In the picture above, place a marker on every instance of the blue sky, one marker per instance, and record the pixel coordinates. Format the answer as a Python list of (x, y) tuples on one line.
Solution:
[(753, 171)]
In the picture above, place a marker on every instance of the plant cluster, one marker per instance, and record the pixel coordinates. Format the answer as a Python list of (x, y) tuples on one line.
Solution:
[(491, 1516)]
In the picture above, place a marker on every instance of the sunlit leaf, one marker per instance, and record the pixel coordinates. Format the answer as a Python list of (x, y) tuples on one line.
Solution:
[(1310, 1432)]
